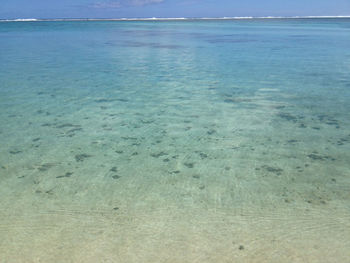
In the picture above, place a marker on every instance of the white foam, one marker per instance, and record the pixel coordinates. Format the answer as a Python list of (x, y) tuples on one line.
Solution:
[(24, 20)]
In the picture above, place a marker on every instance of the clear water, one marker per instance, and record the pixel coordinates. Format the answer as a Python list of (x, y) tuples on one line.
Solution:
[(187, 141)]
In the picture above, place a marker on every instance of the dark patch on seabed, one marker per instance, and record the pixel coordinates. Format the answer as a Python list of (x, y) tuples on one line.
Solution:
[(66, 125), (15, 151), (343, 140), (157, 155), (73, 128), (270, 169), (45, 167), (114, 169), (189, 165), (318, 157), (328, 120), (289, 117), (68, 174), (82, 157), (104, 100)]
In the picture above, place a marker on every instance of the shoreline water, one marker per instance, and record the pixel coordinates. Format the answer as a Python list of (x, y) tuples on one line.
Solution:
[(175, 142)]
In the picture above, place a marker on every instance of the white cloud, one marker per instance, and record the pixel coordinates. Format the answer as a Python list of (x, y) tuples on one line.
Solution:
[(106, 5), (122, 3), (144, 2)]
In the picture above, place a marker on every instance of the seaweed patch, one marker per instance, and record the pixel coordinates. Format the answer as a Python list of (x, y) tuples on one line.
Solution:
[(46, 166), (157, 155), (114, 169), (317, 157), (15, 151), (270, 169), (82, 157), (189, 165), (68, 174)]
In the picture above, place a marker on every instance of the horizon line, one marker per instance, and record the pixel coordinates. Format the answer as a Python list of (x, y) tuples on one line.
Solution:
[(168, 18)]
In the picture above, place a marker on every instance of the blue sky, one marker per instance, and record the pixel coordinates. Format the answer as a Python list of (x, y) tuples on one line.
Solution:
[(168, 8)]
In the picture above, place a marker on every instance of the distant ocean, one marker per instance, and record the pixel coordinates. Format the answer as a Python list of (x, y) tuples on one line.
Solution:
[(202, 140), (170, 18)]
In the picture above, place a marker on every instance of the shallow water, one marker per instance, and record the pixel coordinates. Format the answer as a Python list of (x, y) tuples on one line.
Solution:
[(176, 141)]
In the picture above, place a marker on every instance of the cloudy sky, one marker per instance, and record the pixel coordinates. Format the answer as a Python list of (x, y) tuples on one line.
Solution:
[(168, 8)]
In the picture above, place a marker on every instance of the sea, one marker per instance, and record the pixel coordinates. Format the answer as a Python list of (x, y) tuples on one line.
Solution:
[(200, 140)]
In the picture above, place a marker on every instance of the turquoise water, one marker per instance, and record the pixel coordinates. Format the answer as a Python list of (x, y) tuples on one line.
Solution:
[(175, 141)]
